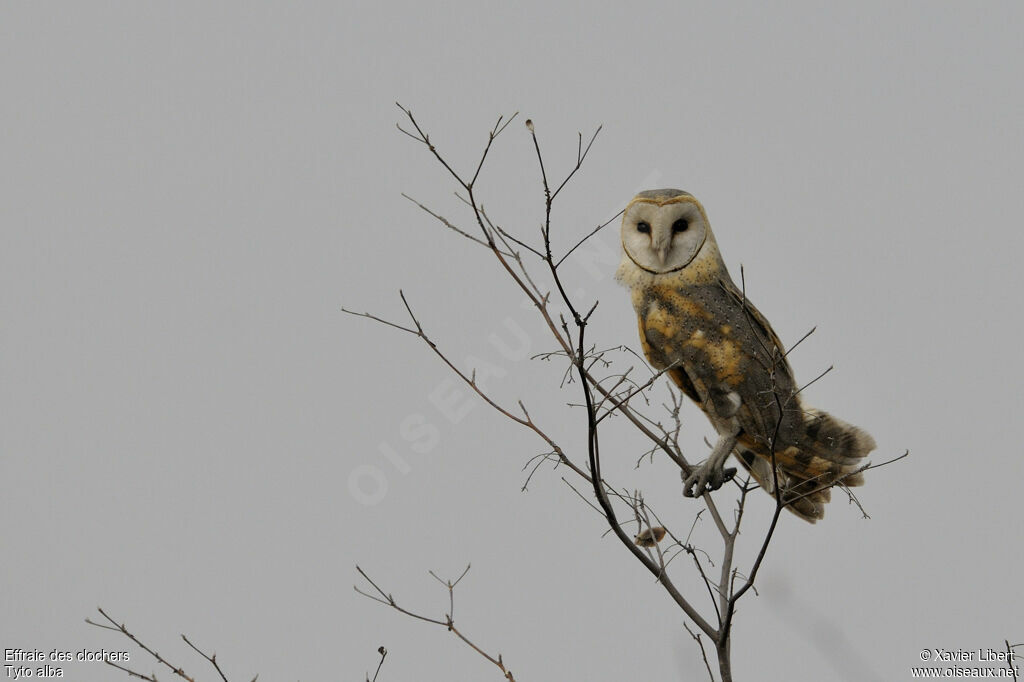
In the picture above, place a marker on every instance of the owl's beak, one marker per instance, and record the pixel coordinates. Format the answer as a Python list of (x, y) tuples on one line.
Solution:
[(662, 252)]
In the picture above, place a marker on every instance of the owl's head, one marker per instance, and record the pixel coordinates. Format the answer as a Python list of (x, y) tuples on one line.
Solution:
[(663, 230)]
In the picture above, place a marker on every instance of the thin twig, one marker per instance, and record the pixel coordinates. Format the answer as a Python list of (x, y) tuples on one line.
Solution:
[(212, 659), (588, 236), (703, 653), (383, 654), (447, 223)]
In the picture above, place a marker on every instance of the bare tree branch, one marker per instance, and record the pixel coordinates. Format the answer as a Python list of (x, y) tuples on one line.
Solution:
[(177, 670), (448, 622)]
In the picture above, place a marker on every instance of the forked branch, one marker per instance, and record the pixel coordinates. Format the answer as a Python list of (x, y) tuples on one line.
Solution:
[(447, 622)]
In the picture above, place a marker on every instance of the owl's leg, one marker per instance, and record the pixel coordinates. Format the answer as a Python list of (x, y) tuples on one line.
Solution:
[(710, 475)]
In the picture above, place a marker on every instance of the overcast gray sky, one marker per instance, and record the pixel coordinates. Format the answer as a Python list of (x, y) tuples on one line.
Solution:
[(190, 192)]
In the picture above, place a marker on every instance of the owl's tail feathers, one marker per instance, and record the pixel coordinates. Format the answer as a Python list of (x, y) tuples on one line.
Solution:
[(806, 476), (805, 498), (833, 440)]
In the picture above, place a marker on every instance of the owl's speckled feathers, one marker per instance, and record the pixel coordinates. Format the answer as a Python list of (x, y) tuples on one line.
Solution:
[(722, 353)]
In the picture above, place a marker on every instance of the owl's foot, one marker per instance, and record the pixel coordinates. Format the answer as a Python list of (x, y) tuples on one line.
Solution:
[(707, 477), (711, 475)]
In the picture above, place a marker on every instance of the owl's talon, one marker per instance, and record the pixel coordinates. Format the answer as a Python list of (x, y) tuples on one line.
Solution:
[(696, 483), (706, 478)]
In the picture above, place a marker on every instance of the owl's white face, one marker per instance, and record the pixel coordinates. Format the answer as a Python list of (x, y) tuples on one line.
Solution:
[(665, 238)]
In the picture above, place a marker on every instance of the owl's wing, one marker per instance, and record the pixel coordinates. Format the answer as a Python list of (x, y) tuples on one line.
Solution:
[(762, 327), (767, 375), (677, 374)]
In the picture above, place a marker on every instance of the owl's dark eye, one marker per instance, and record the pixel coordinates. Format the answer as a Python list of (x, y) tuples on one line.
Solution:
[(680, 226), (643, 227)]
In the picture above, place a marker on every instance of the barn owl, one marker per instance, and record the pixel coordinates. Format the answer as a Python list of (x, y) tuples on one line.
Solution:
[(698, 327)]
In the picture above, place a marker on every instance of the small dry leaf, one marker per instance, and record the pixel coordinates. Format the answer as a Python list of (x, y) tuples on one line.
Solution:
[(650, 537)]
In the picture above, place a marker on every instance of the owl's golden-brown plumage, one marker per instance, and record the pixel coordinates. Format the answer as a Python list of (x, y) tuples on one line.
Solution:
[(722, 353)]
